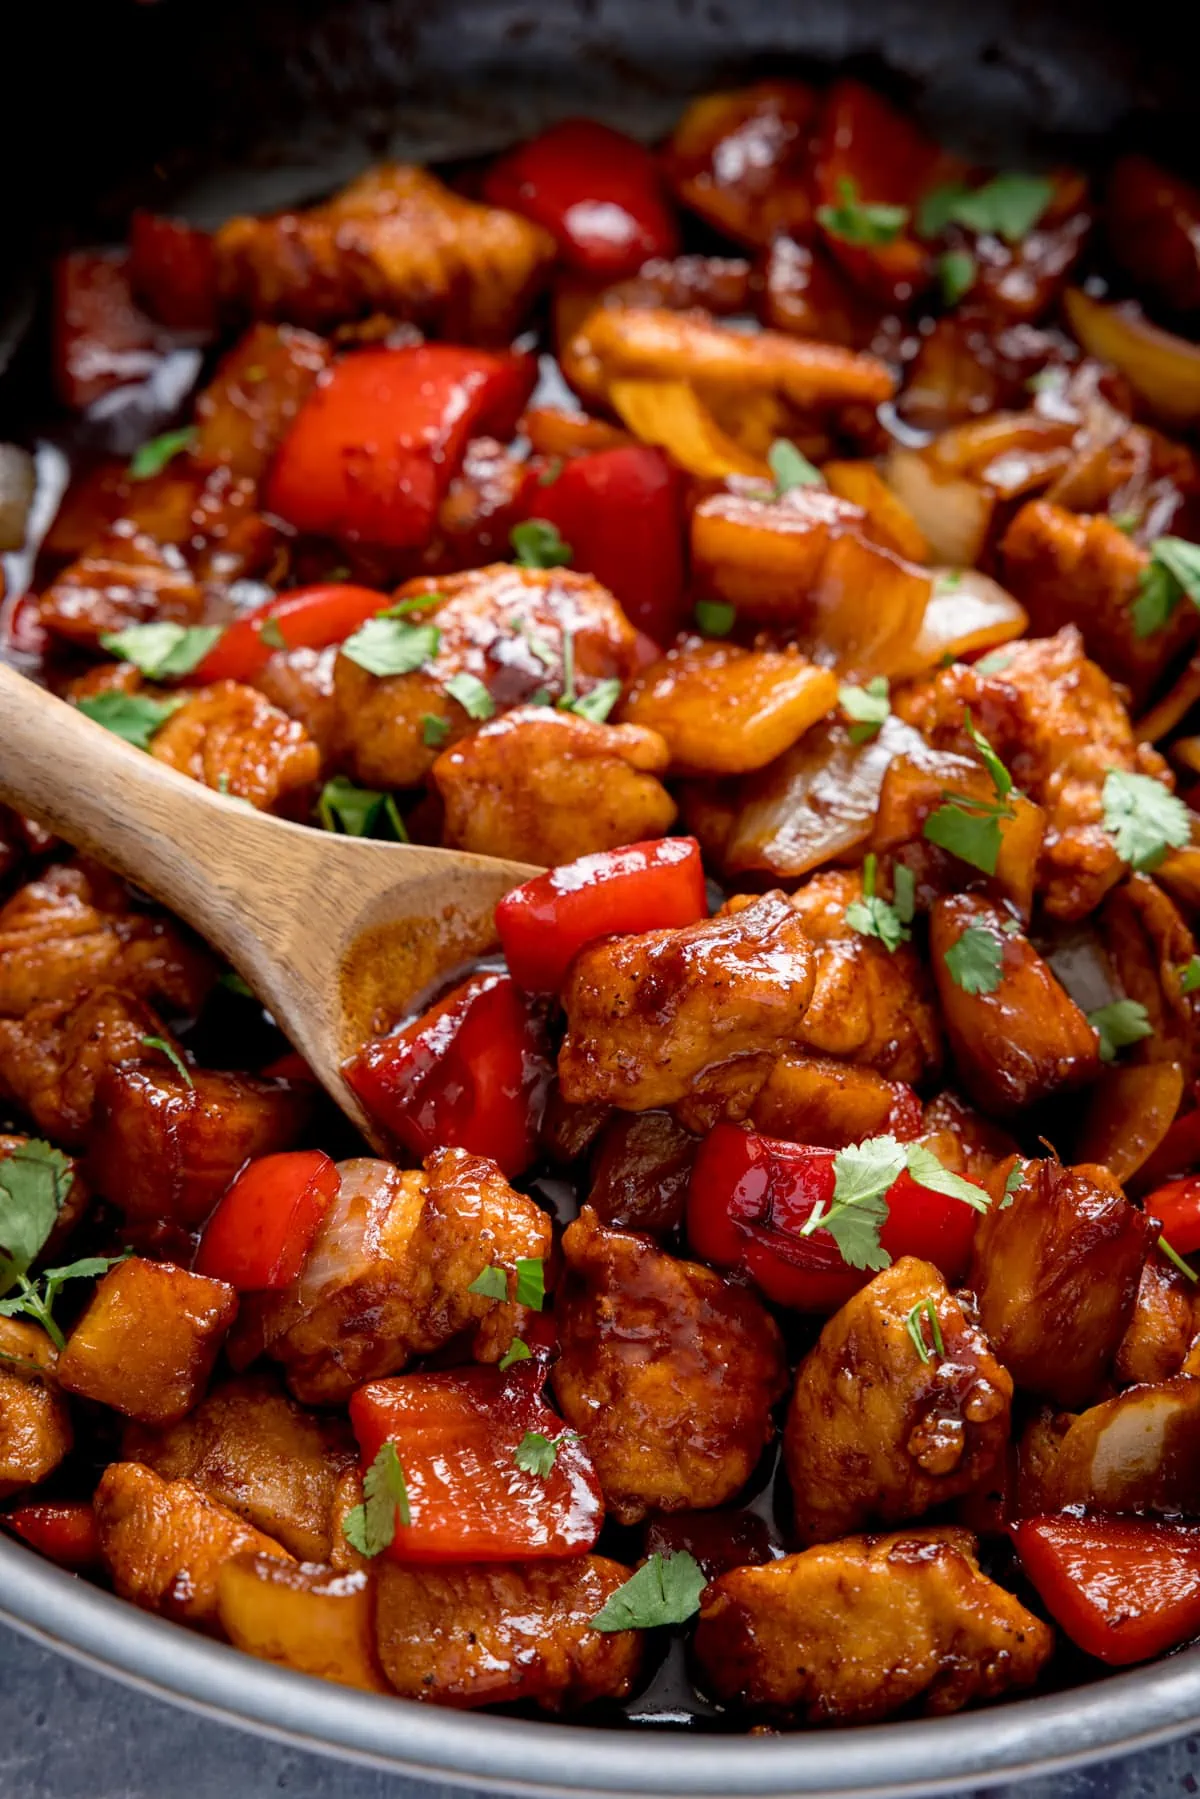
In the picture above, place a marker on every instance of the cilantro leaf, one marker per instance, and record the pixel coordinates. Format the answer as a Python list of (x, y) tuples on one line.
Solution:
[(791, 468), (1189, 975), (35, 1179), (537, 544), (551, 472), (924, 1168), (1174, 1256), (666, 1589), (434, 730), (595, 704), (536, 1454), (858, 221), (914, 1324), (935, 210), (270, 632), (152, 458), (858, 1210), (975, 960), (969, 830), (715, 618), (994, 663), (531, 1282), (36, 1298), (1124, 1022), (359, 811), (868, 706), (874, 917), (387, 646), (491, 1283), (1143, 819), (1007, 206), (1172, 572), (1014, 1180), (133, 716), (163, 649), (471, 695), (416, 602), (1002, 781), (957, 273), (904, 894), (172, 1054), (371, 1526), (232, 982), (517, 1351)]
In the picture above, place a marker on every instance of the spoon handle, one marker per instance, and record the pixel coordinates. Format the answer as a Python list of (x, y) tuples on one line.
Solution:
[(152, 825)]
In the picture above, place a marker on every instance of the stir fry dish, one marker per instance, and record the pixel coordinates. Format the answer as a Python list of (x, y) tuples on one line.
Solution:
[(783, 1303)]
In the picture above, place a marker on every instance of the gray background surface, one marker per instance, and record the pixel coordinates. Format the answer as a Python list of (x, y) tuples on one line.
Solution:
[(66, 1733)]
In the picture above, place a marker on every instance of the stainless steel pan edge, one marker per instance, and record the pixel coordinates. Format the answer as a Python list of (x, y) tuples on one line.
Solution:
[(1019, 1739)]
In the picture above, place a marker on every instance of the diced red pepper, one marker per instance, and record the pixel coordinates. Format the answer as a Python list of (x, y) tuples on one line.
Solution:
[(750, 1195), (1123, 1589), (1178, 1151), (173, 271), (867, 142), (457, 1435), (595, 190), (263, 1225), (289, 1067), (23, 628), (62, 1530), (643, 887), (308, 618), (470, 1074), (622, 512), (1177, 1208), (102, 338), (373, 449)]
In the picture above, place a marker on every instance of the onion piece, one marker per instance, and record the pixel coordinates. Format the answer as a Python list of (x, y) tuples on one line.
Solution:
[(18, 483), (953, 513), (1162, 369), (1174, 705), (1130, 1110), (669, 414), (967, 612)]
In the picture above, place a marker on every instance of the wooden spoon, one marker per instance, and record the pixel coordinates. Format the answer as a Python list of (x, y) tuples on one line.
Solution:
[(338, 936)]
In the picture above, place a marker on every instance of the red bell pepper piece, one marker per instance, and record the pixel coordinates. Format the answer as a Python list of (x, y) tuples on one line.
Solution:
[(749, 1196), (173, 271), (62, 1530), (102, 338), (1178, 1151), (643, 887), (262, 1227), (470, 1074), (595, 190), (373, 449), (456, 1435), (1177, 1208), (289, 1067), (1123, 1589), (622, 512), (23, 630), (308, 618)]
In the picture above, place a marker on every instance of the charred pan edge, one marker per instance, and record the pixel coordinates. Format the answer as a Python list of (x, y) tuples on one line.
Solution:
[(1023, 1737)]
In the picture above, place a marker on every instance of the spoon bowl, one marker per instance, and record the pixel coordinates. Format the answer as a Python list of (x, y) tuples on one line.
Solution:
[(337, 936)]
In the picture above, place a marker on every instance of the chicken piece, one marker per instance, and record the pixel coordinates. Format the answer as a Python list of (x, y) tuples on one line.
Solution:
[(260, 1454), (312, 1619), (1069, 569), (396, 240), (491, 1633), (1024, 1040), (724, 710), (667, 1371), (300, 683), (52, 1059), (347, 1494), (888, 520), (649, 343), (1139, 1452), (147, 1342), (390, 1270), (543, 786), (234, 740), (740, 159), (76, 927), (1055, 719), (506, 626), (164, 1542), (126, 578), (166, 1148), (1161, 1327), (764, 553), (1153, 221), (868, 1005), (875, 1430), (806, 1099), (647, 1014), (480, 508), (641, 1167), (804, 292), (961, 1139), (854, 1631), (1055, 1267), (1149, 946), (243, 415), (35, 1424)]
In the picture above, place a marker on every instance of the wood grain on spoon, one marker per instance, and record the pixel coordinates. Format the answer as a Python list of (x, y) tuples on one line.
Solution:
[(338, 936)]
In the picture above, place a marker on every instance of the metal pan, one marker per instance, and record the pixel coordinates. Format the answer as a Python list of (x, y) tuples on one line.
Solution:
[(219, 105)]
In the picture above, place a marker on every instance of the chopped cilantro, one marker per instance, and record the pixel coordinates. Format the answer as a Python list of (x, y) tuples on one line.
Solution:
[(1173, 1255), (1124, 1022), (536, 1454), (517, 1351), (153, 457), (531, 1282), (537, 544), (974, 962), (35, 1179), (715, 618), (868, 706), (858, 221), (874, 917), (1143, 819), (1008, 206), (133, 716), (1172, 572), (490, 1283), (791, 468), (163, 649), (914, 1324), (969, 829), (172, 1054), (359, 811), (371, 1527), (387, 646), (863, 1174), (434, 730), (270, 632), (957, 272), (471, 694), (666, 1589), (1189, 975)]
